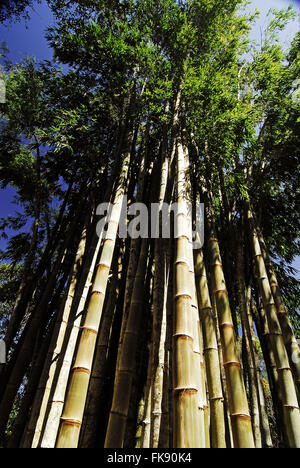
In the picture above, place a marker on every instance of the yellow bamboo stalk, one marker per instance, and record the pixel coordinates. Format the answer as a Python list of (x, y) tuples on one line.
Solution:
[(146, 422), (124, 375), (161, 282), (92, 410), (159, 332), (266, 433), (204, 441), (211, 354), (71, 419), (253, 384), (290, 341), (186, 431), (289, 400), (238, 404), (35, 425), (228, 425)]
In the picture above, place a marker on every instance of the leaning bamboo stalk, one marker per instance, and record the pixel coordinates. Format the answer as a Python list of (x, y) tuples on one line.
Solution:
[(264, 421), (250, 362), (238, 404), (199, 369), (127, 361), (45, 386), (228, 425), (92, 411), (161, 281), (27, 400), (71, 419), (58, 392), (22, 302), (186, 431), (211, 354), (290, 341), (159, 332), (289, 400), (265, 338), (146, 422), (166, 437), (44, 421), (25, 349), (135, 244)]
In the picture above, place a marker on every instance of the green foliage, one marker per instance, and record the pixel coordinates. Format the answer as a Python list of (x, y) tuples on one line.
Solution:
[(9, 279), (14, 10)]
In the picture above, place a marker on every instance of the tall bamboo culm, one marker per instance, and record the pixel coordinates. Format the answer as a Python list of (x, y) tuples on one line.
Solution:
[(160, 295), (290, 341), (186, 430), (127, 362), (290, 408), (211, 355), (36, 421), (72, 416), (238, 404)]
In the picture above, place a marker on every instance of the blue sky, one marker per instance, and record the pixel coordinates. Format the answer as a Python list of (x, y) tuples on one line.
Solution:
[(27, 38)]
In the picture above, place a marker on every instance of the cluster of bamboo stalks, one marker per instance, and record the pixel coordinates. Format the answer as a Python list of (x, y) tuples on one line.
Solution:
[(143, 350)]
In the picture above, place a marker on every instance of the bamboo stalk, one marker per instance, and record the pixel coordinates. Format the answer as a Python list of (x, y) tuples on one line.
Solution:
[(238, 404), (88, 436), (211, 354), (253, 384), (146, 422), (186, 432), (204, 441), (124, 375), (290, 341), (42, 397), (25, 349), (24, 410), (71, 419), (228, 425), (160, 295), (135, 246), (265, 339), (264, 421), (161, 281), (289, 400)]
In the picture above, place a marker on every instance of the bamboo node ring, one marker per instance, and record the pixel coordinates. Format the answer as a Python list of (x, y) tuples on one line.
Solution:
[(84, 370), (90, 329), (232, 364), (71, 422), (244, 416), (221, 291), (291, 407), (227, 325)]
